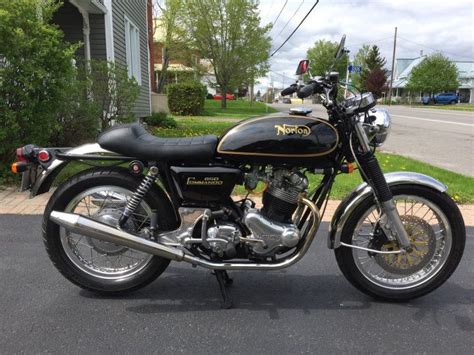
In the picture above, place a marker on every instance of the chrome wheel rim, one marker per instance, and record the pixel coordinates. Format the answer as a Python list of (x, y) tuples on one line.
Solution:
[(99, 258), (430, 235)]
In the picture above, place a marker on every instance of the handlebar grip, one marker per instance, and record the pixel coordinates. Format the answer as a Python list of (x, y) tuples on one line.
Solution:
[(289, 90), (307, 90)]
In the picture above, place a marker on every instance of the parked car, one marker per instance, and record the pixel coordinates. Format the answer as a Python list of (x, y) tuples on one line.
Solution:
[(444, 98), (286, 100), (228, 96)]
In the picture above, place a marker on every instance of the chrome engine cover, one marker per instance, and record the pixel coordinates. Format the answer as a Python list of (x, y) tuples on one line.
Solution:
[(223, 239), (269, 236)]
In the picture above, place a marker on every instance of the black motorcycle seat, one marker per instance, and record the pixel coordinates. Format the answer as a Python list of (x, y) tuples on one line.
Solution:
[(133, 140)]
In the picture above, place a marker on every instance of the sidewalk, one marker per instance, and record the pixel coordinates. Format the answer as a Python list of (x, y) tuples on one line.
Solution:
[(14, 202)]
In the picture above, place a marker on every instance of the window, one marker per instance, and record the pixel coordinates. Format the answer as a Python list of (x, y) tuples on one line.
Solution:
[(132, 44)]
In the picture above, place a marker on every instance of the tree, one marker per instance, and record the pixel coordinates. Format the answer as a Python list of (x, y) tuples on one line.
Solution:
[(374, 59), (374, 62), (376, 82), (360, 59), (228, 33), (434, 74), (35, 72), (321, 56), (170, 27)]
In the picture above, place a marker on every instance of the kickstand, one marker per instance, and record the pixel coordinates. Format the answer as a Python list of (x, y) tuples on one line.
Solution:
[(224, 280)]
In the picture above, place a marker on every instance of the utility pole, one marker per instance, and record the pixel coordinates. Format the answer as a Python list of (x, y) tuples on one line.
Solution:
[(393, 67)]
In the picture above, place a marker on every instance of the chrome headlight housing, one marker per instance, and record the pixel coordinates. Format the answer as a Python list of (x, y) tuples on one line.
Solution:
[(379, 127)]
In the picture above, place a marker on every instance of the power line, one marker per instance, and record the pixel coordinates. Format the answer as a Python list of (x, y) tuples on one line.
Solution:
[(369, 42), (273, 24), (292, 33), (291, 18), (434, 49)]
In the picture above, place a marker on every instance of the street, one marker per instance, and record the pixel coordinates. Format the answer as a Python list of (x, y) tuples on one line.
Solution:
[(443, 138), (308, 308)]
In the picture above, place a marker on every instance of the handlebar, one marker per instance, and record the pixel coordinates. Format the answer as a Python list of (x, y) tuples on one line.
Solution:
[(289, 90), (307, 90)]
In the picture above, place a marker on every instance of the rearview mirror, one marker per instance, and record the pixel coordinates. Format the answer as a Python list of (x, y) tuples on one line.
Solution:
[(302, 67), (340, 48)]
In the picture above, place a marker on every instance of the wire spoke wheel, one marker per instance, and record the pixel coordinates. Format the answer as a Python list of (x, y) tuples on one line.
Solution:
[(430, 235), (98, 258)]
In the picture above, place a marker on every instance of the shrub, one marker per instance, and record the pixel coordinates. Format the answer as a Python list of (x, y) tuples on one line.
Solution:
[(35, 71), (160, 119), (112, 91), (186, 98)]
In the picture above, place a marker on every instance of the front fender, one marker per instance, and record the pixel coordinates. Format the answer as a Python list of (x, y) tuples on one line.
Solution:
[(46, 177), (361, 192)]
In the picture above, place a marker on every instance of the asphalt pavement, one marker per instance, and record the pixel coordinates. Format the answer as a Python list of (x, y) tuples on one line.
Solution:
[(308, 308), (443, 138)]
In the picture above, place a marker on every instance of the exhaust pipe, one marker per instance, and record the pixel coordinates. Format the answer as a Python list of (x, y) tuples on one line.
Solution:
[(86, 226), (93, 229)]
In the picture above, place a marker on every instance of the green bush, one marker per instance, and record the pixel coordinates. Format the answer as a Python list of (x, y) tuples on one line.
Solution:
[(186, 98), (35, 72), (160, 119)]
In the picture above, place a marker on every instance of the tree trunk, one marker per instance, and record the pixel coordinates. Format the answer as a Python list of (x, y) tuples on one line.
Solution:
[(251, 92), (164, 72), (224, 97)]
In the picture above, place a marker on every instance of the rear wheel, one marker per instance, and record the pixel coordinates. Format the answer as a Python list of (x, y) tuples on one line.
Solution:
[(101, 194), (437, 234)]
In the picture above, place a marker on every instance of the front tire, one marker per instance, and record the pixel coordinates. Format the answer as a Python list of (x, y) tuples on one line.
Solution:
[(100, 193), (436, 229)]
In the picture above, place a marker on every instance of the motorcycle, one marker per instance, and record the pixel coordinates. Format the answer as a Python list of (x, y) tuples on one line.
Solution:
[(114, 228)]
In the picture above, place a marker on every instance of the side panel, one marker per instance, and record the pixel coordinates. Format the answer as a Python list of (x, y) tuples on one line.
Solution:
[(205, 184), (359, 194)]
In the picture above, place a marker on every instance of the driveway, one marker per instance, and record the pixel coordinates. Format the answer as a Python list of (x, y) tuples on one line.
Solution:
[(308, 308), (443, 138)]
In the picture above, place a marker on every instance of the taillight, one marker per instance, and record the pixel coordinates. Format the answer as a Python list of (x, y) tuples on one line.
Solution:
[(43, 156), (20, 156)]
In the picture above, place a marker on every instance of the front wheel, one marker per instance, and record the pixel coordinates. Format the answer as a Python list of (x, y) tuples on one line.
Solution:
[(436, 229)]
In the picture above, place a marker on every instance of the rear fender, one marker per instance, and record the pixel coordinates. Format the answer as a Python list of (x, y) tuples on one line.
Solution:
[(46, 175), (359, 194)]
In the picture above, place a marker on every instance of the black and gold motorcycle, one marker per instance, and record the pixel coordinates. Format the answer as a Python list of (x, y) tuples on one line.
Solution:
[(114, 229)]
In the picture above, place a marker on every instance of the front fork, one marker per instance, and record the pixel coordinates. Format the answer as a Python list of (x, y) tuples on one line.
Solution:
[(390, 220)]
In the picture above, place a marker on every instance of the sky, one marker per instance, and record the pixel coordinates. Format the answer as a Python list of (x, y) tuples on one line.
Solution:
[(423, 25)]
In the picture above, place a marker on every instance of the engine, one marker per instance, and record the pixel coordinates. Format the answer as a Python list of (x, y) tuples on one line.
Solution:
[(272, 229)]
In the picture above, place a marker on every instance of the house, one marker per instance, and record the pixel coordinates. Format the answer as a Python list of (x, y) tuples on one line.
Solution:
[(113, 30), (404, 67), (189, 65)]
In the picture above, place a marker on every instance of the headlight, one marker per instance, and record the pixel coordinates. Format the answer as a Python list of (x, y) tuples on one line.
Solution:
[(379, 127)]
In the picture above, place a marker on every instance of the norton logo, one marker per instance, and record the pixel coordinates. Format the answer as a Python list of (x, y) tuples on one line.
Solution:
[(208, 181), (290, 129)]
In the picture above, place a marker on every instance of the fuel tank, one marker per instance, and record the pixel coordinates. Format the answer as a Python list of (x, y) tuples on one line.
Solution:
[(293, 140)]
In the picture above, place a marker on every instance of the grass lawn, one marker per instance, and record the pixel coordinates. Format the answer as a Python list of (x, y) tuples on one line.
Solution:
[(236, 109), (458, 107)]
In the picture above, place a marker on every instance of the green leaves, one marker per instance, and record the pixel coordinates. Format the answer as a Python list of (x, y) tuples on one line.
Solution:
[(228, 33), (321, 56), (186, 98), (35, 71), (433, 75)]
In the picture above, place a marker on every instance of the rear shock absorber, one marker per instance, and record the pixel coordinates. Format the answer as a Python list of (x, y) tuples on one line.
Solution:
[(138, 195)]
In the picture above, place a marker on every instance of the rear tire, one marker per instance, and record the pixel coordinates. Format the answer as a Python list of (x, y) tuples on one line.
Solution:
[(80, 183), (345, 256)]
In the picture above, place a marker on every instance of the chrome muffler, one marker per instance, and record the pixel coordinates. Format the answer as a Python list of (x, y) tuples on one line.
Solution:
[(79, 224)]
